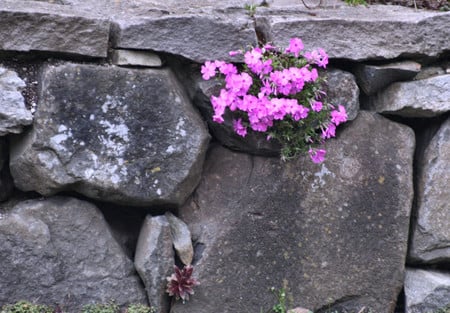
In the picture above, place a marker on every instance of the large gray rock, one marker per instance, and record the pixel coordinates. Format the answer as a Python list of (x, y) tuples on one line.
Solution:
[(335, 234), (49, 27), (13, 113), (199, 37), (181, 237), (420, 98), (426, 290), (357, 32), (372, 78), (119, 135), (60, 250), (430, 240), (155, 259)]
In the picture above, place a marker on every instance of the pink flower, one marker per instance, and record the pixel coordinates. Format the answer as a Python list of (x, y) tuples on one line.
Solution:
[(238, 84), (240, 129), (319, 56), (317, 155), (295, 46), (329, 132), (317, 106), (300, 112), (339, 116), (227, 69), (234, 53), (208, 70)]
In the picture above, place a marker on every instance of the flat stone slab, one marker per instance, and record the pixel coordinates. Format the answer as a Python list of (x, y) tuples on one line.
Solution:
[(378, 31), (51, 28), (334, 234), (197, 36), (420, 98), (129, 136), (426, 290)]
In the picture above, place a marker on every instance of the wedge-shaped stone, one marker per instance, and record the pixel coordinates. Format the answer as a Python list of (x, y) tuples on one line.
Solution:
[(420, 98), (335, 235), (61, 251), (54, 28), (426, 290), (120, 135), (372, 78), (198, 37), (430, 241), (155, 259), (359, 33)]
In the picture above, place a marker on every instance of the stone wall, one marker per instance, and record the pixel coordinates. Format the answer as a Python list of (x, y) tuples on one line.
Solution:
[(112, 170)]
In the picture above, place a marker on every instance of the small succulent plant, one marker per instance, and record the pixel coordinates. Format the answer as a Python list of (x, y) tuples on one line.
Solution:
[(181, 283)]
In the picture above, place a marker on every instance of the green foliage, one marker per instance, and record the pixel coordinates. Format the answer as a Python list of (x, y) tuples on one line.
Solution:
[(280, 306), (101, 308), (251, 9), (356, 2), (26, 307), (140, 308), (443, 310)]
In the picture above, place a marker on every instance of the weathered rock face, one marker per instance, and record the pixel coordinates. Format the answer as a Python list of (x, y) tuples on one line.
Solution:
[(431, 231), (426, 290), (421, 98), (381, 34), (46, 27), (341, 89), (155, 259), (263, 223), (372, 78), (13, 113), (119, 135), (60, 250), (197, 37), (6, 183), (181, 238)]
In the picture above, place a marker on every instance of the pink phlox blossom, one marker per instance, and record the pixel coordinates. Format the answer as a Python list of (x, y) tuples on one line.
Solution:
[(317, 106), (329, 132), (227, 69), (262, 125), (295, 46), (266, 88), (268, 47), (240, 129), (266, 67), (317, 155), (319, 57), (300, 112), (248, 103), (314, 75), (298, 80), (253, 56), (339, 116), (208, 70), (234, 53), (238, 84), (278, 108)]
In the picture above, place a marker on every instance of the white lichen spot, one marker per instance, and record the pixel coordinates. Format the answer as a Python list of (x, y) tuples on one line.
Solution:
[(170, 149), (91, 117), (62, 128), (137, 181), (158, 191), (319, 180), (110, 103), (179, 127)]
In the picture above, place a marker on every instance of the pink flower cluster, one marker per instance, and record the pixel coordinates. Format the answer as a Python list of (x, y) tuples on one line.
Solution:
[(271, 87)]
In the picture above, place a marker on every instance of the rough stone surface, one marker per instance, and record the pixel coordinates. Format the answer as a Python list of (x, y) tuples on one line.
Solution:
[(421, 98), (13, 113), (54, 28), (342, 89), (263, 222), (426, 290), (431, 230), (155, 259), (181, 237), (120, 135), (380, 32), (430, 71), (208, 36), (372, 78), (136, 58), (6, 183), (60, 251)]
